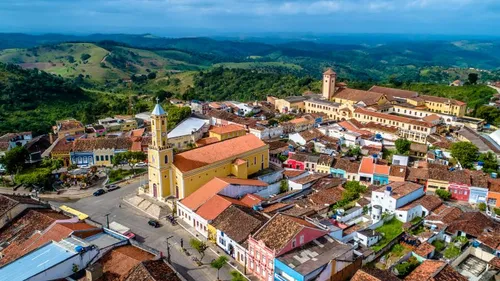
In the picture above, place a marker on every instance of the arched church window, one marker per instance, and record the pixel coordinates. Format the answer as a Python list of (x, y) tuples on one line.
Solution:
[(166, 159)]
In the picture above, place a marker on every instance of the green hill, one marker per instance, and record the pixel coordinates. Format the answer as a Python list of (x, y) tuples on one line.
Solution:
[(99, 63)]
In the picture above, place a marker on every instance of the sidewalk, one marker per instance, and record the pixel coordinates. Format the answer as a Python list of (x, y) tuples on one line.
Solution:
[(215, 250)]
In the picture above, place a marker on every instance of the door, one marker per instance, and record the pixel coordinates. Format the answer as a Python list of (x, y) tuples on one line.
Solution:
[(154, 190)]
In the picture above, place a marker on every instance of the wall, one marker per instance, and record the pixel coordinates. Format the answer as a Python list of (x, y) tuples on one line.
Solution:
[(309, 234), (65, 268), (408, 215), (432, 185), (256, 251), (286, 273), (104, 157), (185, 213), (460, 193), (14, 212), (493, 196), (236, 191), (349, 271), (323, 169), (297, 138), (477, 195)]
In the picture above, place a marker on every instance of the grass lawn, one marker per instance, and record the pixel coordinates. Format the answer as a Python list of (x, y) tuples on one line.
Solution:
[(389, 231), (116, 175)]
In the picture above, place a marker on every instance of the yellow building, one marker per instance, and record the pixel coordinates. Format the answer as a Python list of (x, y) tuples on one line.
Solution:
[(128, 125), (445, 105), (69, 127), (290, 104), (324, 164), (184, 173), (227, 132)]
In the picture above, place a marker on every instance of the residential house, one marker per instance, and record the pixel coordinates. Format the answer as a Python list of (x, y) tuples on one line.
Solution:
[(14, 205), (397, 173), (199, 107), (11, 140), (346, 137), (305, 182), (300, 124), (290, 104), (266, 132), (374, 274), (395, 195), (435, 270), (100, 151), (212, 198), (358, 97), (68, 127), (367, 237), (324, 164), (305, 136), (372, 172), (418, 175), (186, 133), (418, 150), (227, 132), (281, 234), (418, 208), (320, 259), (401, 160), (479, 187), (346, 169), (233, 227), (245, 109), (326, 145), (493, 198), (301, 161)]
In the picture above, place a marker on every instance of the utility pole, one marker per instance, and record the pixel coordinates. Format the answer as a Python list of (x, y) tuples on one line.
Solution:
[(168, 248), (107, 220)]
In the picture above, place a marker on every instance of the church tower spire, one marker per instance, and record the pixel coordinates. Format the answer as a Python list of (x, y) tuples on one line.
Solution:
[(160, 156)]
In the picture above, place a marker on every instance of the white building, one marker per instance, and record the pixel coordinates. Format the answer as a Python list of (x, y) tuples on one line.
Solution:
[(346, 137), (395, 195), (188, 132), (265, 133), (421, 207), (367, 237)]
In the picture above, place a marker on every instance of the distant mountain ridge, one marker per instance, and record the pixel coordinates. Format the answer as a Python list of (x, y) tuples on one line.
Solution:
[(404, 60)]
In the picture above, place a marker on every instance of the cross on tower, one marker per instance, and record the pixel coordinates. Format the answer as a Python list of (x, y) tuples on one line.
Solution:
[(157, 100)]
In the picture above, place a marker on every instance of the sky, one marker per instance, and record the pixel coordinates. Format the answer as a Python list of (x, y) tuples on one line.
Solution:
[(224, 17)]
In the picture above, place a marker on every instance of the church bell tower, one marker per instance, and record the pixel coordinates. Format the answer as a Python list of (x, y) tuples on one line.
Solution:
[(160, 156)]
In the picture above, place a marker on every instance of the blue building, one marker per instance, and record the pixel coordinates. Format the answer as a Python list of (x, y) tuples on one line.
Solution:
[(477, 195), (82, 158), (318, 260)]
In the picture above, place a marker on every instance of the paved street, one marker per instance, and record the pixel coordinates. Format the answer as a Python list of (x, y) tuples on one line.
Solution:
[(111, 203)]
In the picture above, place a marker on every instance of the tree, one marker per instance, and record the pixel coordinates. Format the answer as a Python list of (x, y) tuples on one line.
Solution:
[(473, 77), (199, 246), (85, 56), (218, 263), (490, 114), (14, 160), (403, 146), (465, 152), (354, 151), (481, 206), (131, 157), (283, 186), (489, 160), (443, 194), (272, 122), (236, 276), (355, 186), (151, 75)]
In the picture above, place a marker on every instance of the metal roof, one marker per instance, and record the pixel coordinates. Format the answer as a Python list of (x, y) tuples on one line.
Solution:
[(187, 127), (158, 110)]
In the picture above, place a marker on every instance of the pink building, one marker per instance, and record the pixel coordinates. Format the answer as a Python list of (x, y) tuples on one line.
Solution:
[(279, 235), (296, 161), (459, 192)]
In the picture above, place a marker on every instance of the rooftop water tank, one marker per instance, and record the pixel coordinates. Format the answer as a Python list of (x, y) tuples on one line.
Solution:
[(494, 175), (480, 163), (78, 249)]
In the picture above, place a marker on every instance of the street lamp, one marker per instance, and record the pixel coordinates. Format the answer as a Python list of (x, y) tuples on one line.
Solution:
[(168, 248)]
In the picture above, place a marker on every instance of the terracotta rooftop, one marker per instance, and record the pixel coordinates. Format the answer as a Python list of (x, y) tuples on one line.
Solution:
[(391, 117), (325, 160), (328, 196), (251, 200), (274, 207), (429, 202), (329, 71), (366, 97), (298, 120), (473, 223), (206, 141), (213, 187), (238, 222), (381, 127), (310, 178), (393, 93), (62, 146), (400, 189), (350, 125), (215, 206), (70, 125), (416, 174), (442, 173), (152, 270), (444, 214), (424, 249), (432, 270), (495, 262), (118, 262), (227, 129), (277, 232), (373, 274), (431, 118), (202, 156), (478, 178), (293, 173), (326, 183), (418, 147), (311, 134), (398, 171), (494, 185)]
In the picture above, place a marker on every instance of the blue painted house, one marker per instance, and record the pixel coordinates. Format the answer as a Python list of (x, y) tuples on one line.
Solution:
[(316, 260)]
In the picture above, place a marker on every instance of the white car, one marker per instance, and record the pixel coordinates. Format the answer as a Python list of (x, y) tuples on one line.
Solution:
[(141, 165)]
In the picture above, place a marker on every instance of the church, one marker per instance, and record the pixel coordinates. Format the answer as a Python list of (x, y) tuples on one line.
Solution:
[(181, 174)]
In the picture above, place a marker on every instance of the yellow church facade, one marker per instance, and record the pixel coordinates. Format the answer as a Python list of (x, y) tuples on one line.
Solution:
[(181, 174)]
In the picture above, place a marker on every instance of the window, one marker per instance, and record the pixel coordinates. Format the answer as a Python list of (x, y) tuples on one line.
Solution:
[(301, 239), (162, 122), (293, 243), (166, 159)]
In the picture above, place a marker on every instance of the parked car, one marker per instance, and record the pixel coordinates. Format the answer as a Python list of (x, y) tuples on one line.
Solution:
[(111, 187), (121, 229), (154, 223), (141, 165), (99, 192)]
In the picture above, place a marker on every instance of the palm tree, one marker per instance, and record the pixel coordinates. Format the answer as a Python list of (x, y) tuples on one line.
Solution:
[(218, 264)]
